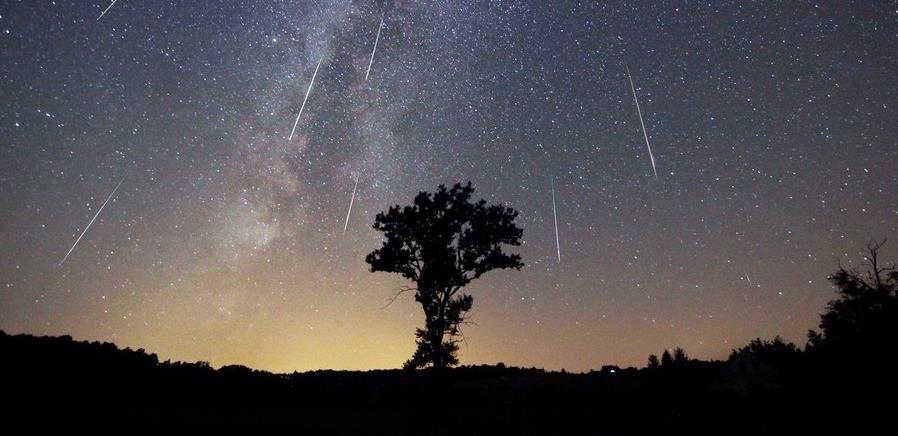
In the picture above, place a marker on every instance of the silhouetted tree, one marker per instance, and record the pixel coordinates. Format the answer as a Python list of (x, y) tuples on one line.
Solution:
[(859, 330), (442, 242), (862, 322), (653, 362), (679, 356), (666, 360), (763, 368), (776, 350)]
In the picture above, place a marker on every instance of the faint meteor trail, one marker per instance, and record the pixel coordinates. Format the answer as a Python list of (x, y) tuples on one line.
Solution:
[(641, 122), (312, 82), (748, 278), (555, 215), (376, 39), (91, 222), (106, 10), (351, 200)]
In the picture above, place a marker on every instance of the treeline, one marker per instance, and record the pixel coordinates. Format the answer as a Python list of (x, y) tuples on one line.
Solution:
[(847, 366), (852, 356), (59, 371), (768, 386)]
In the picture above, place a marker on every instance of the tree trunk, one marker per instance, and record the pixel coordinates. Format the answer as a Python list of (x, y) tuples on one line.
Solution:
[(439, 329), (436, 344)]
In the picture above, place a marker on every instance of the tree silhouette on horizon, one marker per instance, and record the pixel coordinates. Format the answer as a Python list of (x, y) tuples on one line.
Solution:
[(441, 243), (863, 320)]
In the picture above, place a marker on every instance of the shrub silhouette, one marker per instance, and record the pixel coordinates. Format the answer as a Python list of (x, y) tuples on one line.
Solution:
[(442, 242)]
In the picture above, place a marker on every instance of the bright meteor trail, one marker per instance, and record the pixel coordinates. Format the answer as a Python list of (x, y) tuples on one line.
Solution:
[(312, 82), (641, 122), (376, 39), (106, 10), (555, 215), (351, 200), (91, 222)]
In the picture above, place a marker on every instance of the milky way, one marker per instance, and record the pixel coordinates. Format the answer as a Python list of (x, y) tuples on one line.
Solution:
[(776, 140)]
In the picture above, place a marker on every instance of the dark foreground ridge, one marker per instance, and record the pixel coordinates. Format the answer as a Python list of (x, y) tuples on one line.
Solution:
[(765, 388)]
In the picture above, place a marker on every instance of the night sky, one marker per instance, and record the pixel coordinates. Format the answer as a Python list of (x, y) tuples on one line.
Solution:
[(772, 125)]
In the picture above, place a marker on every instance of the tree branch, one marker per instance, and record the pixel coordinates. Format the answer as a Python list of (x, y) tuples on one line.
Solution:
[(401, 291)]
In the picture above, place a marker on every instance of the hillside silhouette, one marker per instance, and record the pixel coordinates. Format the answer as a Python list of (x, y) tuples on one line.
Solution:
[(842, 381), (767, 387)]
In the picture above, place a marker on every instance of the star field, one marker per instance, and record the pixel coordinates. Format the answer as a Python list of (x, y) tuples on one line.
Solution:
[(772, 126)]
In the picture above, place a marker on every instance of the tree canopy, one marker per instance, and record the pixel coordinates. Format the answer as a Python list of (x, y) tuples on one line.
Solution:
[(863, 319), (441, 242)]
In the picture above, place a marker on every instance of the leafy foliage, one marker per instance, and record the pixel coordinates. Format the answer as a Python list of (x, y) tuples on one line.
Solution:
[(442, 242), (866, 310), (859, 329), (776, 349), (653, 362)]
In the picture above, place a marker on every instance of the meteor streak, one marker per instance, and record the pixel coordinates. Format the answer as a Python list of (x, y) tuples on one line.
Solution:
[(376, 39), (91, 222), (106, 10), (351, 200), (641, 122), (555, 215), (304, 101)]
